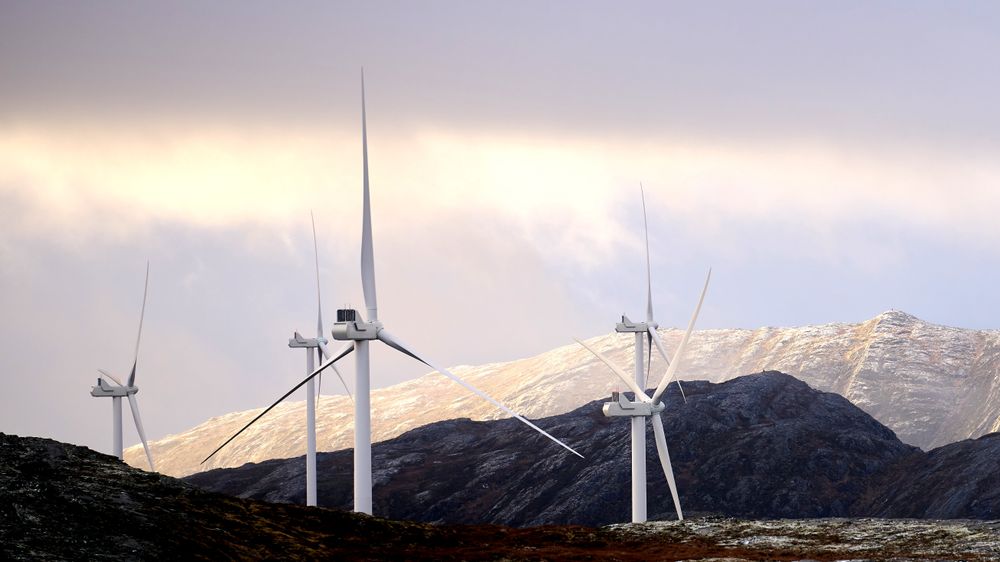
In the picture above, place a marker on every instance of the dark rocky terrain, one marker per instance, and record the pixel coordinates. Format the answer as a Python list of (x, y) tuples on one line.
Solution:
[(960, 480), (63, 502), (764, 445)]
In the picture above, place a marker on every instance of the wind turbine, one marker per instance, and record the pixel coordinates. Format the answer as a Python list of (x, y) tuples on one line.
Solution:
[(312, 395), (350, 327), (104, 390), (646, 406)]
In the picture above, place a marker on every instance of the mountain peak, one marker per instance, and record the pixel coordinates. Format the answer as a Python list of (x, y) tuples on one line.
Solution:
[(897, 317)]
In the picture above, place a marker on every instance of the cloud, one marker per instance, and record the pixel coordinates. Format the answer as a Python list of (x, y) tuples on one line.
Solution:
[(575, 196), (488, 247)]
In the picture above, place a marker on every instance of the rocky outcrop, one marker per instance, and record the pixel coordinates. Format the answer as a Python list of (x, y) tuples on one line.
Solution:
[(930, 384), (960, 480), (63, 502)]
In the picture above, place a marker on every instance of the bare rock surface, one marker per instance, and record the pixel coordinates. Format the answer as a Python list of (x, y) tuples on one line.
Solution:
[(831, 539)]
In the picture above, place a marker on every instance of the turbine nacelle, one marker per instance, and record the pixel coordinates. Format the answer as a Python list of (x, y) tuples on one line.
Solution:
[(298, 341), (620, 406), (627, 326), (103, 389), (349, 327)]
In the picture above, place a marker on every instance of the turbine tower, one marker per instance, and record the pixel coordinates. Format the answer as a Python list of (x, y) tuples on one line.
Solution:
[(645, 406), (312, 389), (351, 327), (117, 391)]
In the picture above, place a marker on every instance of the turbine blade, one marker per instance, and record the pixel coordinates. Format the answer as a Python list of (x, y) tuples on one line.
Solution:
[(649, 358), (668, 471), (367, 250), (655, 337), (319, 378), (319, 300), (110, 376), (391, 341), (142, 313), (640, 394), (134, 405), (680, 349), (279, 400), (649, 276), (326, 353)]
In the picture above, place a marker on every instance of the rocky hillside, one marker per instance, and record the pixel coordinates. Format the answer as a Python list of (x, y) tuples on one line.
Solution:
[(930, 384), (960, 480), (762, 445), (63, 502)]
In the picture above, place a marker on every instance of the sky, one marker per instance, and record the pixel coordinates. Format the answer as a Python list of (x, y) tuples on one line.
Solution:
[(829, 161)]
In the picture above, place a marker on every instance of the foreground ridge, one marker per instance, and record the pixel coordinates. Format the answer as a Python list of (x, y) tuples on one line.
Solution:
[(60, 501)]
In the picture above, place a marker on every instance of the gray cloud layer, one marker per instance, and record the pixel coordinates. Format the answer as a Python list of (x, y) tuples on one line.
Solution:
[(867, 70)]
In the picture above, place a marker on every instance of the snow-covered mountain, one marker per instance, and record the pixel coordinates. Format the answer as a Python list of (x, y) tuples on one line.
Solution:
[(931, 384)]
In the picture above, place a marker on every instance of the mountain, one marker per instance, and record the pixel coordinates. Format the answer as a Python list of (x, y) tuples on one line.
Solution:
[(930, 384), (63, 502), (763, 445), (960, 480)]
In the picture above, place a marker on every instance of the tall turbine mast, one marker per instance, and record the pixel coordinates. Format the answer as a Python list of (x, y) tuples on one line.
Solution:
[(103, 389), (352, 328), (644, 406), (313, 346)]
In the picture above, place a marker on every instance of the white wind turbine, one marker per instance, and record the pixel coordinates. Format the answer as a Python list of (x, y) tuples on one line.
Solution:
[(349, 327), (646, 406), (312, 389), (105, 390)]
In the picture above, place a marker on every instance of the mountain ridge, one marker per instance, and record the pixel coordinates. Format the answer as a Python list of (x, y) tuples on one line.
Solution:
[(762, 445), (909, 374)]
